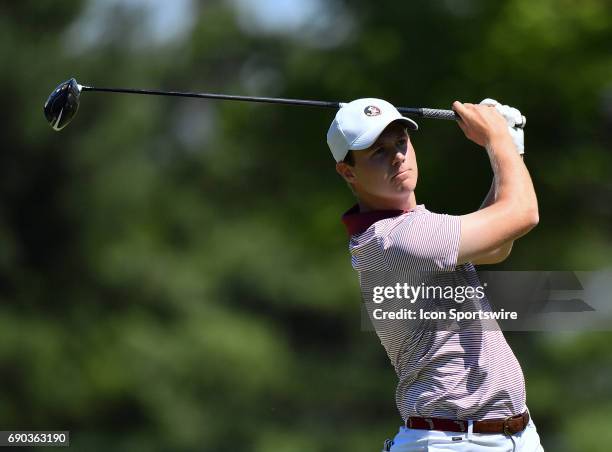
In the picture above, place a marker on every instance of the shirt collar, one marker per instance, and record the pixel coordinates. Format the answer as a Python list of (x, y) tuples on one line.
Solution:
[(357, 222)]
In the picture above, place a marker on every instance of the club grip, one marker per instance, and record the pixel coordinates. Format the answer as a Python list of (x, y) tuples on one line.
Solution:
[(434, 113), (439, 114)]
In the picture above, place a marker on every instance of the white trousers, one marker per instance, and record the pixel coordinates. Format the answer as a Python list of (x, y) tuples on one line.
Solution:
[(415, 440)]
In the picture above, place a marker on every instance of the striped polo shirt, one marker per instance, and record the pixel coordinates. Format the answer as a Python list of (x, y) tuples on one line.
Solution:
[(467, 373)]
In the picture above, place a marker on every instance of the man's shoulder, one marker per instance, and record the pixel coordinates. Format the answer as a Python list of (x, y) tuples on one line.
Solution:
[(418, 223)]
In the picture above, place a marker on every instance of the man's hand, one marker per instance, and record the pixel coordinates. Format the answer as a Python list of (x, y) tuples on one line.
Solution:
[(512, 117), (482, 124)]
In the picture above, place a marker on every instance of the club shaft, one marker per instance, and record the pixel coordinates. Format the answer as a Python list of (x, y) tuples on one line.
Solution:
[(270, 100), (408, 111)]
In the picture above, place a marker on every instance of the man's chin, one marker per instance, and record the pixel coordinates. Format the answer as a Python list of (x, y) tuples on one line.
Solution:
[(406, 187)]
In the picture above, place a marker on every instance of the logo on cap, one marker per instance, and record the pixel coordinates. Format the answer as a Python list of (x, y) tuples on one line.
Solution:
[(371, 110)]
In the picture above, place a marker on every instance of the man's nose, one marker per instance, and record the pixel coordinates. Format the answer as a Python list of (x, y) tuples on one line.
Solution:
[(400, 156)]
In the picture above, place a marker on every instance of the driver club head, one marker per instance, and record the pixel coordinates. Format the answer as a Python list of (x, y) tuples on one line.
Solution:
[(62, 104)]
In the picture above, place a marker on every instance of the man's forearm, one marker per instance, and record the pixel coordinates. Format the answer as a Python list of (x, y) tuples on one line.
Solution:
[(491, 195), (490, 198), (514, 193), (503, 251)]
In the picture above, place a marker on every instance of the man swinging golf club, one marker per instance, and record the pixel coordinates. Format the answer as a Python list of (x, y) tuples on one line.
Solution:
[(460, 390)]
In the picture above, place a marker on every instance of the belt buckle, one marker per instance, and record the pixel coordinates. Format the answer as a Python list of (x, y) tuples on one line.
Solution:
[(506, 426)]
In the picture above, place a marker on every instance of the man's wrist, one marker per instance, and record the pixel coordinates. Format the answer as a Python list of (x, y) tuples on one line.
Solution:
[(500, 142)]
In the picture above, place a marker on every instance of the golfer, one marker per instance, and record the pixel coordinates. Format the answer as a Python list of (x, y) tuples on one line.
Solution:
[(459, 390)]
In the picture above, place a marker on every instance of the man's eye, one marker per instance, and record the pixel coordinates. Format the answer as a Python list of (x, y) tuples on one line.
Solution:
[(402, 141), (379, 151)]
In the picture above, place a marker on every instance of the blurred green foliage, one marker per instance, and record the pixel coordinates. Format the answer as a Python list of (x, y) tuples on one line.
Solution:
[(174, 274)]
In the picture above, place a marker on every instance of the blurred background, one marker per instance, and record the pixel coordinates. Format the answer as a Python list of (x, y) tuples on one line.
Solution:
[(174, 275)]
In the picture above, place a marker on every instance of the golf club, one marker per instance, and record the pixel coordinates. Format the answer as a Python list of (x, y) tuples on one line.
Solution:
[(63, 102)]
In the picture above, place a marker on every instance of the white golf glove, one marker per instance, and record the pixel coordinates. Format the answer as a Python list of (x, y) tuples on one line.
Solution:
[(512, 117)]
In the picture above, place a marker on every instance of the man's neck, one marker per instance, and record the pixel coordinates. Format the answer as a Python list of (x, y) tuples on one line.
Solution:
[(369, 203)]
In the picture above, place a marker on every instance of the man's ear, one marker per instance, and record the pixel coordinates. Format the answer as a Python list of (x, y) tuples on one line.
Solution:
[(346, 171)]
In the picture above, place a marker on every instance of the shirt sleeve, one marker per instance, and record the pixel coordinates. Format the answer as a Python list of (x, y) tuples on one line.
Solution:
[(430, 242)]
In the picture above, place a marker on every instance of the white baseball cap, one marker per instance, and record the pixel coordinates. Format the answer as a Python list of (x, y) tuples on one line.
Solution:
[(358, 124)]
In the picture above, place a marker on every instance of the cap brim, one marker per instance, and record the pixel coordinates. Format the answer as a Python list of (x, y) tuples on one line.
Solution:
[(368, 139)]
